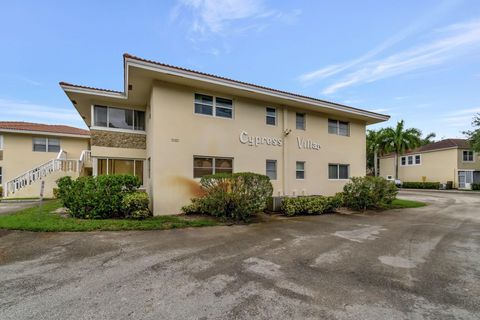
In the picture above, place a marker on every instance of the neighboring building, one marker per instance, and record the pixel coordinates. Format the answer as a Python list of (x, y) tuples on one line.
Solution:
[(33, 152), (442, 161), (171, 125)]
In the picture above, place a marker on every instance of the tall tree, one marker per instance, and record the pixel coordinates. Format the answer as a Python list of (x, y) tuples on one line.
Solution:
[(428, 138), (398, 140), (474, 135), (374, 148)]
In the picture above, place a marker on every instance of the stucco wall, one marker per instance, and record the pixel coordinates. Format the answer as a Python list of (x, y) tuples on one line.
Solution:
[(19, 157), (475, 165), (179, 134), (437, 166)]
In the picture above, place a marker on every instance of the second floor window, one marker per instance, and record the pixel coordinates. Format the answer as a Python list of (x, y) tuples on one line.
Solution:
[(340, 128), (213, 106), (467, 156), (46, 145), (271, 116), (117, 118), (411, 160), (1, 142), (300, 121)]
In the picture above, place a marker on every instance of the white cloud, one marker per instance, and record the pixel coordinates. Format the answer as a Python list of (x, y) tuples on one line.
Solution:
[(16, 110), (217, 16), (332, 70), (458, 40)]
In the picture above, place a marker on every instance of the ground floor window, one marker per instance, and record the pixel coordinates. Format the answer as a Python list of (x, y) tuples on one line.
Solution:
[(121, 166), (338, 171), (271, 169), (1, 175), (300, 170), (204, 165)]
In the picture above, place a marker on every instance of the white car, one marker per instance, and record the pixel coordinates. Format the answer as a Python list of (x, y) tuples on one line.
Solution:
[(397, 182)]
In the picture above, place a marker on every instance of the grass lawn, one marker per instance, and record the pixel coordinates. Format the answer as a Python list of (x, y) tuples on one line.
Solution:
[(42, 218), (402, 203)]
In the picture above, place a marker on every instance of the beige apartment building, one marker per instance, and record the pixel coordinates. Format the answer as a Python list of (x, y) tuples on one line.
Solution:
[(32, 154), (170, 126), (442, 161)]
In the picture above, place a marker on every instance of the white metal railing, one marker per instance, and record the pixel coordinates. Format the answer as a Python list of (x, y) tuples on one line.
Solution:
[(38, 173), (62, 155), (85, 158)]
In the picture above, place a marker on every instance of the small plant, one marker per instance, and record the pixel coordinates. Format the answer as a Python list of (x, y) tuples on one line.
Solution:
[(363, 193), (1, 191), (310, 205), (234, 196), (475, 186), (135, 205), (421, 185)]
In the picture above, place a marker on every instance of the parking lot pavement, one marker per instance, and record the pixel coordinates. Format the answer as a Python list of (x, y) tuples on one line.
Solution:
[(419, 263)]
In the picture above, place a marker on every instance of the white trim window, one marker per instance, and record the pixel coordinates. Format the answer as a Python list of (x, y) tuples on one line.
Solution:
[(411, 160), (468, 156), (120, 166), (338, 171), (300, 119), (271, 116), (300, 170), (1, 142), (203, 166), (271, 169), (341, 128), (213, 106), (45, 145), (118, 118)]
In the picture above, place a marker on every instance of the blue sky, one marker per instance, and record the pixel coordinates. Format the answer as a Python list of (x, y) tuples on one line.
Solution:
[(415, 60)]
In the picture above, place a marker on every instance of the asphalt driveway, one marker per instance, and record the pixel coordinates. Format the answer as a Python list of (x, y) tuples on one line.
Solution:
[(404, 264)]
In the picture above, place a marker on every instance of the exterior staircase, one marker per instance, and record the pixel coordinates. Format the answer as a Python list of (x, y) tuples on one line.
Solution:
[(28, 184)]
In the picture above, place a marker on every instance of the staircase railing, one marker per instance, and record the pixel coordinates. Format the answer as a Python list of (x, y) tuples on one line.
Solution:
[(38, 173), (85, 157)]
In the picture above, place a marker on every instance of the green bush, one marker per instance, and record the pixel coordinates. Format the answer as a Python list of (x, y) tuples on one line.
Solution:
[(1, 191), (234, 196), (475, 186), (421, 185), (363, 193), (96, 197), (135, 205), (55, 193), (307, 205)]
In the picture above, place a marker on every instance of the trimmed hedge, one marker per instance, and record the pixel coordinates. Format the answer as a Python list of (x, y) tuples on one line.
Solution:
[(234, 196), (101, 197), (310, 205), (363, 193), (421, 185), (475, 186)]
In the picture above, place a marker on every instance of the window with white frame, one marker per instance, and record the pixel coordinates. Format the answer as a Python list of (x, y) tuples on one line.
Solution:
[(1, 176), (120, 166), (338, 171), (468, 156), (213, 106), (203, 166), (338, 127), (300, 170), (411, 160), (1, 142), (300, 121), (271, 116), (118, 118), (271, 169), (46, 145)]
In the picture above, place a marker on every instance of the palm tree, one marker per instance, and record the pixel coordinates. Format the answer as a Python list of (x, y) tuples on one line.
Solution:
[(428, 138), (398, 140), (374, 148)]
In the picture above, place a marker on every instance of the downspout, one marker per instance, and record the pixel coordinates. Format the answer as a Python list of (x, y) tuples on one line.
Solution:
[(284, 150)]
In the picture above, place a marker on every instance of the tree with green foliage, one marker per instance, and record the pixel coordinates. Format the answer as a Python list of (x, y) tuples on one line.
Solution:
[(474, 135), (428, 139), (398, 140), (374, 149)]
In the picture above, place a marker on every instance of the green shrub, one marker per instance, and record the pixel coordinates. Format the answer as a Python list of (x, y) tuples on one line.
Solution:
[(421, 185), (55, 193), (135, 205), (363, 193), (96, 197), (307, 205), (234, 196), (1, 191), (475, 186)]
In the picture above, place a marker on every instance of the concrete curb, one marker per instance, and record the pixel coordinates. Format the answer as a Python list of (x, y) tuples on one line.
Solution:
[(441, 191)]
